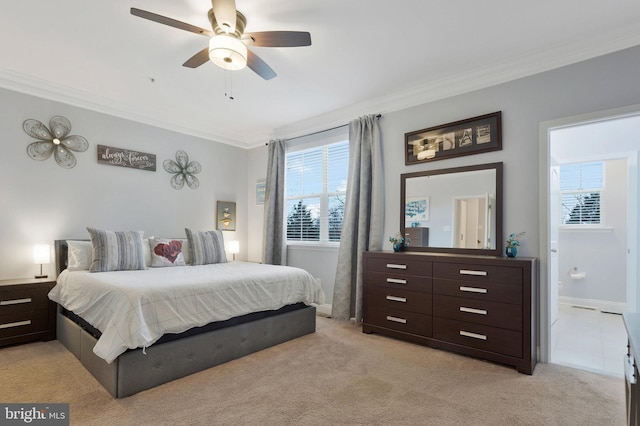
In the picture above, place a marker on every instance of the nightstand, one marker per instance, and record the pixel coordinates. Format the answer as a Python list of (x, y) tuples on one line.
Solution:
[(26, 313)]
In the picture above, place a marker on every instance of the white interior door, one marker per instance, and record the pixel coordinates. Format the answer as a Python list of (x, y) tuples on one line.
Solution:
[(462, 223), (554, 247)]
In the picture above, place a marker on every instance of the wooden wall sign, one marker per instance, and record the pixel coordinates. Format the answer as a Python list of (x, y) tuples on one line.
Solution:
[(126, 158)]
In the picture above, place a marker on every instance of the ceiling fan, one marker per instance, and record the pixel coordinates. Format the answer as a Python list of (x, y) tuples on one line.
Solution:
[(228, 42)]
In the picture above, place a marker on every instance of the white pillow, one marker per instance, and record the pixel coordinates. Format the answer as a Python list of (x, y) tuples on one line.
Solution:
[(186, 250), (147, 251), (78, 255)]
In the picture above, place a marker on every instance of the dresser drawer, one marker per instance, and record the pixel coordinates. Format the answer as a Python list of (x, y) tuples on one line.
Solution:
[(394, 319), (16, 324), (390, 298), (495, 314), (24, 299), (480, 291), (399, 281), (492, 339), (399, 265), (478, 273)]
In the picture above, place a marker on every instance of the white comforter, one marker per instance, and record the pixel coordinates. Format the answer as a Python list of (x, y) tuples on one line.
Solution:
[(133, 309)]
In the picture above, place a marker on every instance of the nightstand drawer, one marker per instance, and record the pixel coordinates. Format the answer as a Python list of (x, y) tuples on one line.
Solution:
[(389, 298), (492, 339), (408, 322), (26, 313), (503, 315), (26, 299), (17, 324)]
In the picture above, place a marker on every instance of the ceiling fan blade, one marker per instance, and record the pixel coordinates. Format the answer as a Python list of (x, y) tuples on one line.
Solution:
[(198, 59), (170, 22), (259, 66), (280, 38), (225, 13)]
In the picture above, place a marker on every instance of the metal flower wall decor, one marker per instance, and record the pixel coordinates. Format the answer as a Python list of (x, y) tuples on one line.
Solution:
[(184, 171), (54, 140)]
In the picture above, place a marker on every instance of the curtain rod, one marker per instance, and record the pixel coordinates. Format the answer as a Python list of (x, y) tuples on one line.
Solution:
[(321, 131)]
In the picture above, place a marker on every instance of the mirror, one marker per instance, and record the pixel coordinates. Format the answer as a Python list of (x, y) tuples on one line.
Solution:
[(457, 210)]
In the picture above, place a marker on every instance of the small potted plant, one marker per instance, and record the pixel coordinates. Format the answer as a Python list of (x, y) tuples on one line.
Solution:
[(399, 242), (513, 241)]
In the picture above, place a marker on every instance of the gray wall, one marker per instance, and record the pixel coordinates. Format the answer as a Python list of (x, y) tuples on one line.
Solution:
[(598, 84), (41, 202)]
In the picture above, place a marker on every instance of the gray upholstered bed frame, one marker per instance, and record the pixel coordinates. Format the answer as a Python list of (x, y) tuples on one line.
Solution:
[(133, 371)]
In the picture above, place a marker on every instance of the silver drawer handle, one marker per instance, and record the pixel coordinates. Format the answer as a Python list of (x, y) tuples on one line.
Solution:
[(15, 301), (473, 311), (396, 266), (397, 299), (396, 281), (469, 272), (473, 335), (396, 319), (473, 289), (15, 324)]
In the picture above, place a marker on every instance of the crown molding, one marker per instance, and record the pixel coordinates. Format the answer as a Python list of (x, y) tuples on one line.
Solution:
[(528, 64), (58, 93)]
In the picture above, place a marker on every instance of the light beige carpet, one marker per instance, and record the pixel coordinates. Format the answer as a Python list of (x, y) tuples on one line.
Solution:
[(336, 376)]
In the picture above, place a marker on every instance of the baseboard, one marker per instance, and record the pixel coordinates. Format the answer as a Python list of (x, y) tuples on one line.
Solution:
[(323, 310), (600, 305)]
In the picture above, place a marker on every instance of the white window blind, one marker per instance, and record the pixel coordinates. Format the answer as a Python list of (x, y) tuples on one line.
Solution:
[(316, 183), (581, 187)]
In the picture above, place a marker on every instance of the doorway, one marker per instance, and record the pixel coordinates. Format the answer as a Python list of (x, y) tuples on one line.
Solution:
[(572, 291), (471, 216)]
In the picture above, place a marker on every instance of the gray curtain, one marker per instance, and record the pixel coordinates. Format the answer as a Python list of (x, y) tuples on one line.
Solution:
[(363, 216), (273, 244)]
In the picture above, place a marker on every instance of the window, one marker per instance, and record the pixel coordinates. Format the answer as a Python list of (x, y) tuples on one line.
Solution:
[(316, 184), (580, 188)]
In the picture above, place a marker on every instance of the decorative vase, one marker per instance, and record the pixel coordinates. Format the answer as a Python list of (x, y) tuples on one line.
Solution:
[(398, 246), (512, 251)]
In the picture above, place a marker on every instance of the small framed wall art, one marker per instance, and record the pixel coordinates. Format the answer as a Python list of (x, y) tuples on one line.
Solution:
[(464, 137), (416, 210), (261, 188), (226, 216)]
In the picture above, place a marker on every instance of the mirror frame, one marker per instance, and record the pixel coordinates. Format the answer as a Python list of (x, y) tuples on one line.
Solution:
[(497, 251)]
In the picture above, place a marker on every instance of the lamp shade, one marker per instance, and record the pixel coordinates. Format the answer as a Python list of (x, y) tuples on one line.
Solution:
[(41, 254), (228, 52), (234, 247)]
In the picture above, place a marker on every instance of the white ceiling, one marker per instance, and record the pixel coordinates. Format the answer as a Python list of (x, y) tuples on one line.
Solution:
[(367, 56)]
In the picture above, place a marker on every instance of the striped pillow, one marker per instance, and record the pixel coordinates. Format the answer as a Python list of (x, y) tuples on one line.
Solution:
[(206, 247), (116, 251)]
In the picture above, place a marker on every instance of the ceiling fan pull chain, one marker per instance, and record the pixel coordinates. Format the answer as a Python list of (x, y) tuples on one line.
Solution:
[(228, 84)]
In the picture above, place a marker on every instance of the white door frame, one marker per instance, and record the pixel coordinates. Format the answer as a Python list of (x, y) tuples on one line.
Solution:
[(544, 349)]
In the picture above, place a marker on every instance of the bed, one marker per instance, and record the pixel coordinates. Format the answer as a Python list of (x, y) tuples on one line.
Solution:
[(127, 355)]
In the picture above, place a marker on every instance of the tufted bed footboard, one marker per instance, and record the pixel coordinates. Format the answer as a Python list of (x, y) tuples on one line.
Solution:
[(133, 371)]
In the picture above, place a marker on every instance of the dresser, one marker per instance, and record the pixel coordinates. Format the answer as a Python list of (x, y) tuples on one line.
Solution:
[(26, 313), (479, 306)]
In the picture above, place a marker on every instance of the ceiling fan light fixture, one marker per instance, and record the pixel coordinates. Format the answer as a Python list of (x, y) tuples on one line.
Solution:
[(228, 52)]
